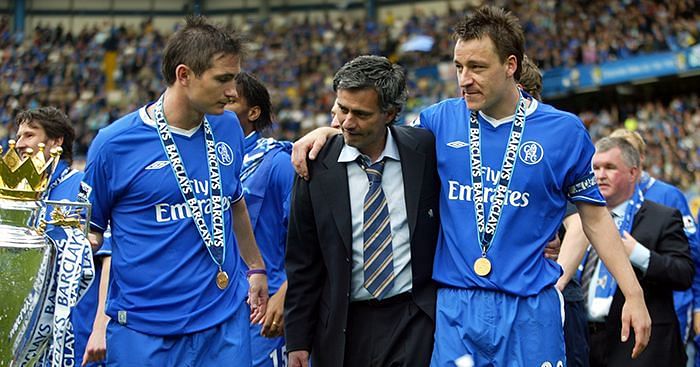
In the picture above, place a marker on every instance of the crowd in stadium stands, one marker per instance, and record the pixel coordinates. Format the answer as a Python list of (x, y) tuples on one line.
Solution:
[(671, 131), (296, 60)]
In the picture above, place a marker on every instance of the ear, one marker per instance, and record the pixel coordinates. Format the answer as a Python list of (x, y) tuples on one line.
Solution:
[(635, 172), (511, 65), (389, 116), (182, 74), (56, 142), (254, 113)]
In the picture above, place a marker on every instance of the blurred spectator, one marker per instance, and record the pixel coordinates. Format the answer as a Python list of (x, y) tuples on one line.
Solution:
[(296, 58)]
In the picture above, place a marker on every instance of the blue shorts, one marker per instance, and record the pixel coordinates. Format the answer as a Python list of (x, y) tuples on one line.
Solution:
[(222, 345), (267, 352), (497, 329)]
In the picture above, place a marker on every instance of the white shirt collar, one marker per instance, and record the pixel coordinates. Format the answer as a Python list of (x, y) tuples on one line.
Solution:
[(175, 130), (620, 210), (391, 150), (498, 122)]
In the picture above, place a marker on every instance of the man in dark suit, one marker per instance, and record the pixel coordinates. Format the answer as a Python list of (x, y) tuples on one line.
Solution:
[(362, 233), (656, 244)]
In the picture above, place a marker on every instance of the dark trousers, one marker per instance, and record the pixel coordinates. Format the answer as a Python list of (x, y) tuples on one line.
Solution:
[(389, 333), (575, 326), (599, 344), (665, 347)]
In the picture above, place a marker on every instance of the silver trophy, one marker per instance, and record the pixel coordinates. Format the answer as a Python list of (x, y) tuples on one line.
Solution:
[(26, 257)]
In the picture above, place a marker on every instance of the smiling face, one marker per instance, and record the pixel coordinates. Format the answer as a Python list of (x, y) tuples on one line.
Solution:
[(486, 83), (616, 179), (31, 134), (215, 87), (364, 126)]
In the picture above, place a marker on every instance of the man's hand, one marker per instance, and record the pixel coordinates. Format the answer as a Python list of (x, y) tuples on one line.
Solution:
[(309, 145), (551, 251), (96, 348), (629, 242), (696, 322), (298, 358), (273, 322), (636, 315), (95, 240), (257, 297)]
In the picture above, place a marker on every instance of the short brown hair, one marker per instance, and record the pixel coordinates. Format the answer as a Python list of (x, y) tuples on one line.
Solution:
[(531, 78), (55, 124), (501, 26), (196, 44)]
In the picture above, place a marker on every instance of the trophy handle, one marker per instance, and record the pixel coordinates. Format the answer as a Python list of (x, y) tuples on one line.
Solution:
[(69, 213)]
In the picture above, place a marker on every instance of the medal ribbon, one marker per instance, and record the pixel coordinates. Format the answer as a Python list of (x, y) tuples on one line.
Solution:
[(215, 247), (487, 230)]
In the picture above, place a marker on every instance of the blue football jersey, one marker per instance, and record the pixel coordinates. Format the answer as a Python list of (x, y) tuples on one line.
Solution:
[(553, 165), (663, 193), (163, 278), (267, 193), (64, 184)]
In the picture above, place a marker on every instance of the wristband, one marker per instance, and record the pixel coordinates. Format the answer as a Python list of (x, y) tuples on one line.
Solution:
[(255, 271)]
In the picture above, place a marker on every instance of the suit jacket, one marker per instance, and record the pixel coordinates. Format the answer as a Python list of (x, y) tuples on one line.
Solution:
[(319, 244), (660, 229)]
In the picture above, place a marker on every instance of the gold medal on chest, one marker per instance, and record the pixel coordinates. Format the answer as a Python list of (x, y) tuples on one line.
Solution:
[(221, 279), (482, 266)]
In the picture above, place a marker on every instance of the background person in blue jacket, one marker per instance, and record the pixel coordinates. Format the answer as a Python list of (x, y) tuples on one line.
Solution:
[(267, 177)]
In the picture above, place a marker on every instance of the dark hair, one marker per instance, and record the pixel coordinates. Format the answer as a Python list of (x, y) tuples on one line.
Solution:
[(379, 74), (55, 124), (196, 44), (255, 94), (531, 78), (501, 26)]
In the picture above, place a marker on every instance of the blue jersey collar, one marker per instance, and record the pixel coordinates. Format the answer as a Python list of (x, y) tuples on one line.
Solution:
[(251, 140)]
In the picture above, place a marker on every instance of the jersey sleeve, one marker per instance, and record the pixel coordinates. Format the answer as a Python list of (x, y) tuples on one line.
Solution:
[(580, 182), (282, 179), (96, 185), (424, 119), (238, 163)]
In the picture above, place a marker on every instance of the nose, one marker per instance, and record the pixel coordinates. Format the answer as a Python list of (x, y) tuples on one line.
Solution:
[(20, 143), (346, 121), (466, 77), (599, 173), (231, 92)]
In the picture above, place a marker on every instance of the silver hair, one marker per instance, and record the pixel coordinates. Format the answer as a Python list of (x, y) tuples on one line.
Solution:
[(378, 73), (629, 153)]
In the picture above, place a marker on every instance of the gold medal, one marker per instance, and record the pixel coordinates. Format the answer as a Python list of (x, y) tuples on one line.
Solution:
[(222, 279), (482, 266)]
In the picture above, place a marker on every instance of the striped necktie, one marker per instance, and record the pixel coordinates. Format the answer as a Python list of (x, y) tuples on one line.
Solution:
[(378, 255)]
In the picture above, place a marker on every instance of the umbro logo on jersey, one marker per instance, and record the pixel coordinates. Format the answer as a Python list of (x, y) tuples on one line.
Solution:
[(157, 165), (457, 144)]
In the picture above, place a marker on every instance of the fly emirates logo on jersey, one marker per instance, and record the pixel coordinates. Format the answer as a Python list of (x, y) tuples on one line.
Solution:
[(464, 192), (173, 212)]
